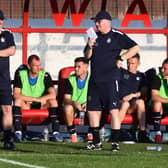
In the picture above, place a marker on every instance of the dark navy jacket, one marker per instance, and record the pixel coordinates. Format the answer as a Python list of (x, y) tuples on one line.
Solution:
[(6, 41), (105, 53), (131, 83)]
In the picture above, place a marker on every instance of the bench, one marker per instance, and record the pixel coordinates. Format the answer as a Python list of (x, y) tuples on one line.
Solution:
[(41, 117), (35, 117)]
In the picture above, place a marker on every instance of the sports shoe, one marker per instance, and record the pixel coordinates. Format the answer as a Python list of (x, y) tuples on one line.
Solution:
[(92, 146), (74, 138), (9, 145), (89, 137), (158, 137), (56, 136), (18, 136), (115, 146), (143, 137)]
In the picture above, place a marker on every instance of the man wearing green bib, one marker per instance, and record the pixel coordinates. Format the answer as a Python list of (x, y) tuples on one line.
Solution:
[(159, 98), (33, 89), (75, 94)]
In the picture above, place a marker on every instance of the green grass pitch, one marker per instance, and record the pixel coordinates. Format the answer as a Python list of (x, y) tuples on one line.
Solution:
[(70, 155)]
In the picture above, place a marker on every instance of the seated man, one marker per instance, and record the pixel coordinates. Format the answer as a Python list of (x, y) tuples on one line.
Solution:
[(158, 84), (75, 94), (133, 86), (33, 89)]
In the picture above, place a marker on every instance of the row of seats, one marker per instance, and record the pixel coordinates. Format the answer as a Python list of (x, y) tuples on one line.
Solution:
[(41, 117)]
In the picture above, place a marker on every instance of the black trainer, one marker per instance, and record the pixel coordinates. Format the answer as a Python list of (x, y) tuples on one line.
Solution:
[(92, 146), (115, 146), (9, 145)]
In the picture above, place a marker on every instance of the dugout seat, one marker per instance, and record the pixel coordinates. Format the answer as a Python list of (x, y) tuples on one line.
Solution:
[(35, 117), (129, 119), (63, 74)]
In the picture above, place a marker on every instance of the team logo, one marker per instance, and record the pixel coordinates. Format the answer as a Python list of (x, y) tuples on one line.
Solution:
[(114, 104), (126, 76), (2, 39), (109, 40), (89, 98)]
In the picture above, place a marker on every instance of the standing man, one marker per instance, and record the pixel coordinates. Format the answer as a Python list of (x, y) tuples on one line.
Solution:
[(133, 90), (33, 89), (75, 94), (7, 48), (103, 91)]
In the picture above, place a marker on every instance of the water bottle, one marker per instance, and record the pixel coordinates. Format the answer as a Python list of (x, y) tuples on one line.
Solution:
[(81, 117), (154, 148), (102, 134), (45, 134)]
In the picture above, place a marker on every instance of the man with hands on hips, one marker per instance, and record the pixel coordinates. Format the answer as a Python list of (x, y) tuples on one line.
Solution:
[(103, 90)]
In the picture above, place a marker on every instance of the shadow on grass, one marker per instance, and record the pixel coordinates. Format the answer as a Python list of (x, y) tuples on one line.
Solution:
[(61, 148), (83, 151), (16, 150)]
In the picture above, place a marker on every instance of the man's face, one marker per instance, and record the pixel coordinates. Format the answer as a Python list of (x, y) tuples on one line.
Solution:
[(132, 65), (165, 70), (80, 68), (103, 25), (35, 67)]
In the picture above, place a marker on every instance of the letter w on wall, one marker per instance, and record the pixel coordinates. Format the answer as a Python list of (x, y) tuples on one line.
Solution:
[(76, 17)]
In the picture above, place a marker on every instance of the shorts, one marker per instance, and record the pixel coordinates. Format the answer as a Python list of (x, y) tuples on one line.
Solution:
[(103, 96), (35, 105), (133, 100), (5, 97)]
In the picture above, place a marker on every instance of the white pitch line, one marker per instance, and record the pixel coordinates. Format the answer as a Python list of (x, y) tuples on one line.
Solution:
[(20, 163)]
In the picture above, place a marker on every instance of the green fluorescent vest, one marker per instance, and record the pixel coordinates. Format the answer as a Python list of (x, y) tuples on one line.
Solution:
[(163, 89), (36, 90), (79, 95)]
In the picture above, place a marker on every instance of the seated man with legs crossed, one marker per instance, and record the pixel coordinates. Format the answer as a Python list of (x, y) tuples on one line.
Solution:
[(33, 89), (75, 94), (133, 86)]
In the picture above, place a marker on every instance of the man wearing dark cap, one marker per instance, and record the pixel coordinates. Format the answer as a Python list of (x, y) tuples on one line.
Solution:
[(103, 92), (7, 48)]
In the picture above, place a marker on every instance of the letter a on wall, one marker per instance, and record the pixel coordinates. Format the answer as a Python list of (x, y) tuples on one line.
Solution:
[(143, 16)]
